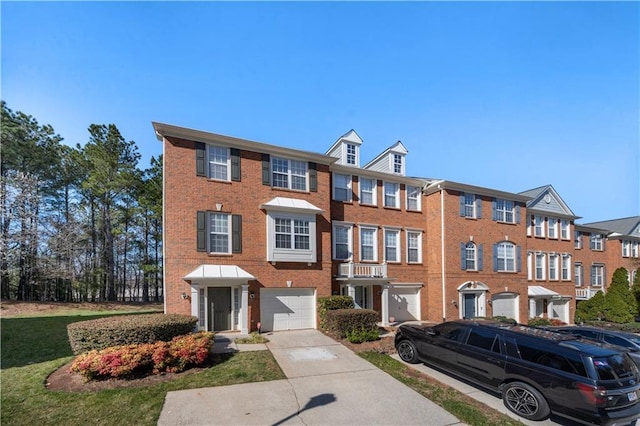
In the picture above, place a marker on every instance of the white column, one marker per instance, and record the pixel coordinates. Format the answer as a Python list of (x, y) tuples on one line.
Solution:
[(244, 310), (351, 292), (385, 304)]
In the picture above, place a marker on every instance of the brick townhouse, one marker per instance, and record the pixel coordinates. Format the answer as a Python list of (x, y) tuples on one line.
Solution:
[(254, 233)]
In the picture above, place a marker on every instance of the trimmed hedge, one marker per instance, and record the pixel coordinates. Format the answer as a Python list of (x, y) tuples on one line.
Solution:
[(102, 333), (341, 323), (330, 303)]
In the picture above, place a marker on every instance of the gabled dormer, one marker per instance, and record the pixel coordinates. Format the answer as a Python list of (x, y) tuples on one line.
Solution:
[(347, 149), (546, 199), (392, 160)]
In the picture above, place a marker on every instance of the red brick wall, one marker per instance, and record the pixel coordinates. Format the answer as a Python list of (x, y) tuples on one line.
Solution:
[(186, 193), (354, 212), (458, 230)]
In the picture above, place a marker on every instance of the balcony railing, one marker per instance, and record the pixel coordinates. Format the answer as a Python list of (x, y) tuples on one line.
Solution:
[(586, 293), (362, 270)]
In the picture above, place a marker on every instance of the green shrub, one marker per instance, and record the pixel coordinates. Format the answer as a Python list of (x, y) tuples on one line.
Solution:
[(363, 335), (339, 322), (127, 330), (129, 361), (253, 338), (539, 322), (331, 303)]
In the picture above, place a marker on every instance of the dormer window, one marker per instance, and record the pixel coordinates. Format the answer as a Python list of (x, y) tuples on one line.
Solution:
[(351, 154), (397, 164)]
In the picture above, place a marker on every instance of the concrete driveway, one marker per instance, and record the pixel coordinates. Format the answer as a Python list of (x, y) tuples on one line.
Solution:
[(326, 384)]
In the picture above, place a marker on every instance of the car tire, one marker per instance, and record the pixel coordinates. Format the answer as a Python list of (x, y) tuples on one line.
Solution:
[(407, 351), (525, 401)]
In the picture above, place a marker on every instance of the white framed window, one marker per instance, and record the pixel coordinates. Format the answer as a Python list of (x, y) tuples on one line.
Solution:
[(291, 237), (538, 226), (504, 211), (552, 224), (469, 207), (414, 198), (342, 241), (578, 274), (414, 247), (392, 245), (368, 244), (470, 256), (596, 242), (626, 248), (368, 192), (634, 249), (553, 267), (342, 187), (597, 275), (219, 233), (289, 174), (398, 166), (391, 195), (540, 266), (219, 163), (505, 257), (565, 229), (566, 267), (352, 158), (577, 239)]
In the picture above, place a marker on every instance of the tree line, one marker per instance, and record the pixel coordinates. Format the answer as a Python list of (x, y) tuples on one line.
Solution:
[(79, 223)]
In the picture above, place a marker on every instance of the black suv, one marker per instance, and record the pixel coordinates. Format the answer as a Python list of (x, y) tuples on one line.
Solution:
[(537, 371), (631, 341)]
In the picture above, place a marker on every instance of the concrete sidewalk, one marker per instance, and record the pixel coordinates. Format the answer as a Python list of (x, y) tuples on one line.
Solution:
[(326, 384)]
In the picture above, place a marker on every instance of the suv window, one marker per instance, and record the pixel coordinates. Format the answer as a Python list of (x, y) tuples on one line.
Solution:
[(485, 339), (530, 353), (613, 367), (450, 330), (617, 340), (589, 334)]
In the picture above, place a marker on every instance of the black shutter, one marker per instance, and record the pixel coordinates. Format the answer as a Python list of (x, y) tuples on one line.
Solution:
[(200, 154), (266, 169), (201, 231), (480, 257), (236, 233), (313, 177), (463, 256), (235, 164), (462, 206)]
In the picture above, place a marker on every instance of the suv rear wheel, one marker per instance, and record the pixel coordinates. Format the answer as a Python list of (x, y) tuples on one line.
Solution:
[(525, 401), (407, 352)]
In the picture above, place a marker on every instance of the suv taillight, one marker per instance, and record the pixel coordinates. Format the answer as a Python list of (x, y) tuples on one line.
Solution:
[(595, 395)]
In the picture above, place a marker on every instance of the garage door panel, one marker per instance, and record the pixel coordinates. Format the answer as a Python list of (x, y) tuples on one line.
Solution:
[(287, 309), (404, 304)]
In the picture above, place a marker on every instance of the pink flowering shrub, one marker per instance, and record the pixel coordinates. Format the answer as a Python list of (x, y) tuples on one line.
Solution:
[(129, 361)]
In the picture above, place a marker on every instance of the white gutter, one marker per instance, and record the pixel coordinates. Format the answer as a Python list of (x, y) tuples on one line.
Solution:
[(442, 271)]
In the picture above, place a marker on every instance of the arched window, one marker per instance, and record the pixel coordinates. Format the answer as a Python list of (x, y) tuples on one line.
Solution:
[(506, 257), (470, 256)]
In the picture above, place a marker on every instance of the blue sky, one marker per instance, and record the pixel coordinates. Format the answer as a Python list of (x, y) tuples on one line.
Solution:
[(504, 95)]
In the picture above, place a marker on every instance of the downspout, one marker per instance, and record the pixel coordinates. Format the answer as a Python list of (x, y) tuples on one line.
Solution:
[(442, 266), (164, 227)]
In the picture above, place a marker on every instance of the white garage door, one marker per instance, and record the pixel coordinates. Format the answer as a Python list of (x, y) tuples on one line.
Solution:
[(287, 308), (505, 305), (404, 303)]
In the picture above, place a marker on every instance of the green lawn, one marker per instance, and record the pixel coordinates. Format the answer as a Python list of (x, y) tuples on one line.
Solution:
[(34, 347)]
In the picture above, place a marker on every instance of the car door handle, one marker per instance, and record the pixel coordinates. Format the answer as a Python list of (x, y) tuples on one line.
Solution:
[(495, 361)]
